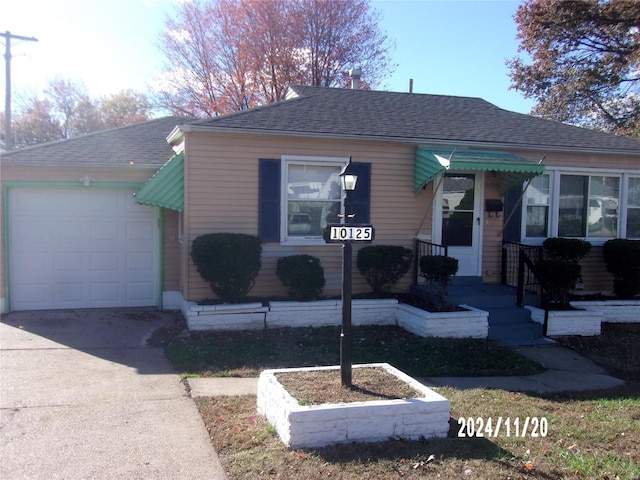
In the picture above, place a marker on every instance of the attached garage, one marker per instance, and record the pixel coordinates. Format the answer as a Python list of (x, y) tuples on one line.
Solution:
[(81, 247)]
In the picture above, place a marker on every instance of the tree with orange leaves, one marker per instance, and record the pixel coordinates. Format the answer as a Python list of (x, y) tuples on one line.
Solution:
[(227, 55)]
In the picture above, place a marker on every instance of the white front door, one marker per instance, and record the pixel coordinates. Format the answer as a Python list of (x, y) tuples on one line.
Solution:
[(457, 220)]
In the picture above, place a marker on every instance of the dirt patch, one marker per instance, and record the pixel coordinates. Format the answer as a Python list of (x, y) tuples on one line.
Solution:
[(324, 386)]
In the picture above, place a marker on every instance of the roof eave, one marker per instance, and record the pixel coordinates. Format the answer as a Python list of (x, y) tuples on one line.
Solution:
[(410, 140)]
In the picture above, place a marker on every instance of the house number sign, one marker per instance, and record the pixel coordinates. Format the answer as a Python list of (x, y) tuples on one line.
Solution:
[(338, 233)]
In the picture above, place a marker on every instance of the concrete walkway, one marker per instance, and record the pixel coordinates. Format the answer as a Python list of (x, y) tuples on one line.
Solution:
[(82, 396), (566, 371)]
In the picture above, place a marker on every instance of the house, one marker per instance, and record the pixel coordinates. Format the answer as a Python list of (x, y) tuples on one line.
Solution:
[(440, 169), (72, 233)]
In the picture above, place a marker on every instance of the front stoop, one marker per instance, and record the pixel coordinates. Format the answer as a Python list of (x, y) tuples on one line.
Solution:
[(375, 421)]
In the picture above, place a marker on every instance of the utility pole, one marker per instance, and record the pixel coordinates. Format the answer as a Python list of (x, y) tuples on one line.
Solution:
[(8, 141)]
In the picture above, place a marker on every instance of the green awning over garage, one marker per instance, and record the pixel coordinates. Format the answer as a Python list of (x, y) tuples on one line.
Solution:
[(512, 169), (166, 188)]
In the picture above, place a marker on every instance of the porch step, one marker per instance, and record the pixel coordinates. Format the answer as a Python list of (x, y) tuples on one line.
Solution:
[(508, 324)]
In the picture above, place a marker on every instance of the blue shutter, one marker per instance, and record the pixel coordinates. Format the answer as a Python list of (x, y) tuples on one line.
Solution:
[(362, 193), (513, 211), (269, 200)]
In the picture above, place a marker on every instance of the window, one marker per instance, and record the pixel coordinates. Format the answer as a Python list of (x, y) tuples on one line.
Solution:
[(633, 208), (588, 206), (312, 196), (537, 202), (297, 196)]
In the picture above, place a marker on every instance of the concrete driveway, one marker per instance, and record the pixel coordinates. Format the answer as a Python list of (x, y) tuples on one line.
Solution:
[(82, 395)]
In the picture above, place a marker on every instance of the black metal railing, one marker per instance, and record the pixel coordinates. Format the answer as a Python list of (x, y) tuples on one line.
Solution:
[(426, 248), (519, 261), (510, 259)]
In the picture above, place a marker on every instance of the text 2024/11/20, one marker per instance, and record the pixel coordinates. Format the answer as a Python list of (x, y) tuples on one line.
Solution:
[(507, 427)]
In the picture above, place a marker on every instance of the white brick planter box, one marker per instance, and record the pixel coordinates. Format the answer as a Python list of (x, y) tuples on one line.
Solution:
[(613, 311), (568, 322), (472, 322), (242, 316), (329, 312), (469, 323), (320, 425)]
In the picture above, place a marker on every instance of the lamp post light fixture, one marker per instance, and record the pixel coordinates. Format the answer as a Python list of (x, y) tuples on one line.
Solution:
[(348, 180)]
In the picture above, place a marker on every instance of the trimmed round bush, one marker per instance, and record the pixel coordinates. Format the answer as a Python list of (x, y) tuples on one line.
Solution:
[(228, 262), (438, 268), (303, 275), (572, 249), (622, 257), (383, 265), (561, 267)]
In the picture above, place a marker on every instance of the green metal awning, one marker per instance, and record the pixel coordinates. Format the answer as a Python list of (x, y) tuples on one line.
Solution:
[(166, 188), (512, 169)]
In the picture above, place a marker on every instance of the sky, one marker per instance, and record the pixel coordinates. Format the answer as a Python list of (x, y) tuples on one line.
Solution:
[(448, 47)]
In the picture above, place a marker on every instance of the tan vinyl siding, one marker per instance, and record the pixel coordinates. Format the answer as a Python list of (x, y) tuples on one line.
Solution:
[(594, 273), (222, 172), (492, 234), (221, 195), (170, 252)]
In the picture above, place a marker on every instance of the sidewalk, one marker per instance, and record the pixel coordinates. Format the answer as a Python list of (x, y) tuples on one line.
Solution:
[(567, 371)]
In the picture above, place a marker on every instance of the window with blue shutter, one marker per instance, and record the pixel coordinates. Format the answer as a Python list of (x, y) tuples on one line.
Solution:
[(297, 215)]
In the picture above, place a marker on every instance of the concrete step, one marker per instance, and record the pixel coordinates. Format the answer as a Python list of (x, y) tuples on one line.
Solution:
[(508, 324)]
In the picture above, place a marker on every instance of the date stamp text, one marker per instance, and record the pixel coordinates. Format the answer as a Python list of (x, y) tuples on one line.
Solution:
[(534, 427)]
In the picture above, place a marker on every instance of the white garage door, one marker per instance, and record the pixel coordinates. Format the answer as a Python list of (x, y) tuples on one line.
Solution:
[(81, 248)]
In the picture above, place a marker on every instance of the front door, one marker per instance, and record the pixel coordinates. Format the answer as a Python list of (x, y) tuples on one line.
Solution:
[(457, 220)]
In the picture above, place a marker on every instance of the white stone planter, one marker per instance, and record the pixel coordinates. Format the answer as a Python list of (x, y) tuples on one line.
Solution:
[(242, 316), (329, 312), (320, 425), (472, 322), (613, 311), (568, 322), (469, 323)]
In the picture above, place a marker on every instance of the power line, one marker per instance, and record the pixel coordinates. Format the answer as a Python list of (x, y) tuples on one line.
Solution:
[(8, 141)]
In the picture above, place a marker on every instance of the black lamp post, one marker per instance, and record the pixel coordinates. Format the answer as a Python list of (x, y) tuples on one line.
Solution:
[(348, 180)]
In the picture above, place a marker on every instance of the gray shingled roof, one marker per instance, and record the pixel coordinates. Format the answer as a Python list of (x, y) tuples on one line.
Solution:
[(142, 143), (415, 117)]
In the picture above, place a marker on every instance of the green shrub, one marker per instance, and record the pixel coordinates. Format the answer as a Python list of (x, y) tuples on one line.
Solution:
[(383, 265), (561, 267), (229, 262), (623, 262), (303, 274), (572, 249), (438, 269)]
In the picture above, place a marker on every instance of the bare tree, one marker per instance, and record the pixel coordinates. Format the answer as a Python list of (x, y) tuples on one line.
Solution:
[(68, 111)]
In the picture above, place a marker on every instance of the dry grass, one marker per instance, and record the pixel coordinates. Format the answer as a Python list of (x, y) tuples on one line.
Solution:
[(247, 353), (324, 386), (593, 435), (617, 348)]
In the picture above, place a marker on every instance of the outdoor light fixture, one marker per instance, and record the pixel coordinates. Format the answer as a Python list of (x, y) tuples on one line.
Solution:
[(86, 180), (348, 179)]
